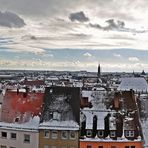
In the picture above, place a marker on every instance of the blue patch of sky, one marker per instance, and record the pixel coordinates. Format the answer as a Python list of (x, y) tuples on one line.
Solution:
[(77, 54), (100, 55)]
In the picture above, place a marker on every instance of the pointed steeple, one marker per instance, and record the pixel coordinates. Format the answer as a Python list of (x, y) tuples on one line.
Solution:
[(99, 71)]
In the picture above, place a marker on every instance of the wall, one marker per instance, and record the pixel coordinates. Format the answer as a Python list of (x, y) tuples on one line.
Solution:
[(19, 141), (58, 142), (119, 144)]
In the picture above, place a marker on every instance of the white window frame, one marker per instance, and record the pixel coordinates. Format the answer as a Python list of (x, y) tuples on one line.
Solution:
[(64, 134), (46, 133), (112, 133), (72, 132), (27, 140), (100, 133), (89, 133), (130, 133), (54, 134)]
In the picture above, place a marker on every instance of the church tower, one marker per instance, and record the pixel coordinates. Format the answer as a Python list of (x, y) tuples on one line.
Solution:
[(99, 71)]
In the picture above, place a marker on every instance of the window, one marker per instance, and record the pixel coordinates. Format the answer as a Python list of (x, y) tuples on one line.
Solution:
[(46, 146), (64, 134), (46, 134), (56, 116), (129, 133), (100, 133), (100, 146), (126, 146), (13, 135), (132, 146), (113, 146), (4, 134), (27, 138), (2, 146), (54, 134), (129, 146), (17, 119), (89, 146), (89, 133), (12, 147), (72, 135), (112, 134)]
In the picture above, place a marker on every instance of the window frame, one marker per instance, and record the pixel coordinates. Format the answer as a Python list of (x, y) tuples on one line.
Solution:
[(129, 133), (12, 136), (89, 146), (70, 137), (66, 136), (52, 134), (2, 136), (26, 139), (88, 131), (100, 135), (46, 146), (46, 133), (112, 134)]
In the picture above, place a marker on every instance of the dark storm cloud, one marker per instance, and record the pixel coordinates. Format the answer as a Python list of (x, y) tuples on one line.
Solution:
[(9, 19), (115, 26), (78, 16), (111, 25)]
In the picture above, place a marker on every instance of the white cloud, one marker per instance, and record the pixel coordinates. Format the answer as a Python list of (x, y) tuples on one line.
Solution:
[(133, 59), (87, 54)]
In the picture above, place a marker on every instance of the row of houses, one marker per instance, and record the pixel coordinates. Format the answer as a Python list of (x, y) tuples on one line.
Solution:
[(68, 117)]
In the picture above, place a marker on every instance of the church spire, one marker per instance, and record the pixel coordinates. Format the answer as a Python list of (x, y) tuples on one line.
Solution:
[(99, 71)]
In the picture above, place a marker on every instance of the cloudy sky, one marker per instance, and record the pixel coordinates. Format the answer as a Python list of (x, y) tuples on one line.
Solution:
[(74, 34)]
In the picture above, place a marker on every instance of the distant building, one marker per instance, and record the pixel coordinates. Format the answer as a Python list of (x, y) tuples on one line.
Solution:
[(138, 84)]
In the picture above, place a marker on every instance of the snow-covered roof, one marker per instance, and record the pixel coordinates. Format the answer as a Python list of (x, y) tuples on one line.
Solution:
[(89, 114), (112, 123), (32, 124), (137, 84), (59, 125), (96, 98)]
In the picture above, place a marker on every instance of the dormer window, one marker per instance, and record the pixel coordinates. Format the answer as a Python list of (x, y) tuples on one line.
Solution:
[(89, 133), (17, 119), (101, 133), (129, 133), (112, 134), (56, 116)]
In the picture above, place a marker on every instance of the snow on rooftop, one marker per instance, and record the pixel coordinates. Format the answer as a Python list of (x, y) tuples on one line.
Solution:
[(112, 123), (32, 124), (89, 114), (59, 125), (100, 122), (89, 118), (137, 84), (96, 98)]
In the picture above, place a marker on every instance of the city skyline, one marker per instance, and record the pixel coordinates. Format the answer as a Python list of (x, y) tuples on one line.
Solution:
[(74, 35)]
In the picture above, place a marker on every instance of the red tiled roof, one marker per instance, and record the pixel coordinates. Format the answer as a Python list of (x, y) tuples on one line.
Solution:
[(17, 104)]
